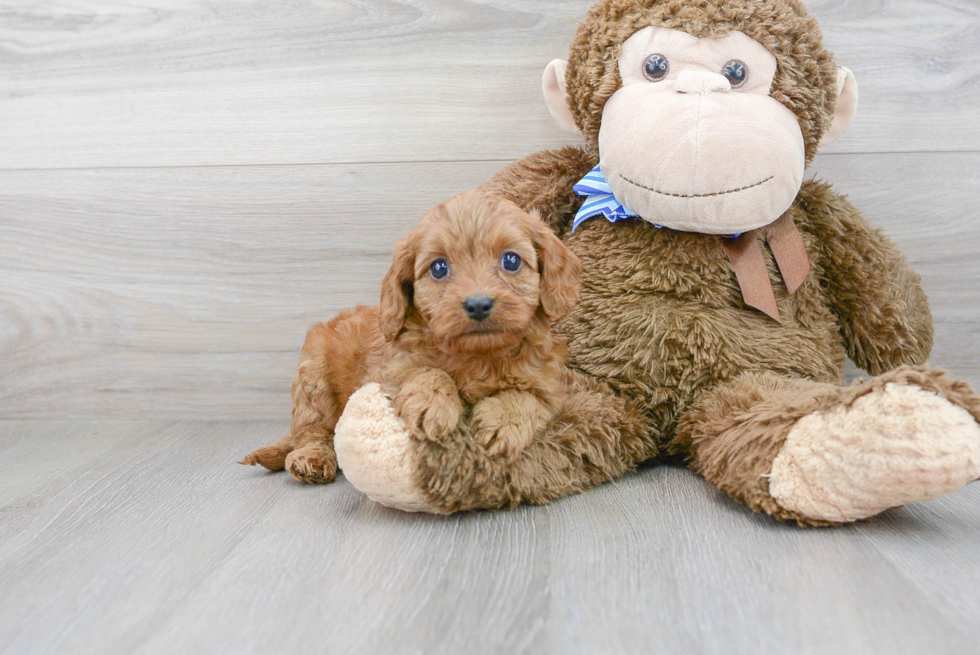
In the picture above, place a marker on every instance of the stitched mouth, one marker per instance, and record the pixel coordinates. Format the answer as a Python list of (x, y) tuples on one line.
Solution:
[(697, 195)]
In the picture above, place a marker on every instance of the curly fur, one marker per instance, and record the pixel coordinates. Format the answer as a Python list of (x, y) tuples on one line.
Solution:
[(661, 318), (431, 356), (662, 346), (665, 358)]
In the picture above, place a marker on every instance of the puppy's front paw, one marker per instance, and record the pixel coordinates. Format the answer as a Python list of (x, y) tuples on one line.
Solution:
[(312, 464), (431, 412), (502, 427), (507, 441)]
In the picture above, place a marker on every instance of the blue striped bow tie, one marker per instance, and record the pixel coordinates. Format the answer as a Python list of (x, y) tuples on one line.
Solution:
[(599, 200), (743, 250)]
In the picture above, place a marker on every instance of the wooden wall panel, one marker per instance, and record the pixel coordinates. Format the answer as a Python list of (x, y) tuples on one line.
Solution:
[(185, 292), (102, 83), (185, 186)]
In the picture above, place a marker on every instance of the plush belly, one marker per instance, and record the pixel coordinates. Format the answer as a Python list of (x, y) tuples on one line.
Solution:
[(661, 318)]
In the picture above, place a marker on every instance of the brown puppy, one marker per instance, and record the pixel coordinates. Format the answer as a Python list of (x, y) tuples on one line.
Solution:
[(465, 317)]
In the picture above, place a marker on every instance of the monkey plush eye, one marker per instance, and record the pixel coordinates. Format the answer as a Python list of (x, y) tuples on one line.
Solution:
[(736, 73), (656, 67), (511, 262), (439, 269)]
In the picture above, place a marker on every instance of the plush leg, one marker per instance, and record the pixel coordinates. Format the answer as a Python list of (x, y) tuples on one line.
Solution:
[(595, 438), (821, 454)]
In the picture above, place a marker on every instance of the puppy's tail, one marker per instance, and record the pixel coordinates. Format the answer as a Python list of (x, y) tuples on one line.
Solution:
[(271, 457)]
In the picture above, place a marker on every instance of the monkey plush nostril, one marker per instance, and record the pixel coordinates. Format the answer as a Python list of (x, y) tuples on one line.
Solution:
[(701, 82), (478, 307)]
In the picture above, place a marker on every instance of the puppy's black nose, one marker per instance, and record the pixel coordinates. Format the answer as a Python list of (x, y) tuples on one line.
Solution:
[(478, 307)]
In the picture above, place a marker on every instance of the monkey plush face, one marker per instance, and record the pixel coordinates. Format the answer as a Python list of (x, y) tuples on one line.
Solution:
[(692, 140), (707, 132)]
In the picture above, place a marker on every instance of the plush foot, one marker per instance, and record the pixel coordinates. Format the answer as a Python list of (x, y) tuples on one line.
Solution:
[(377, 453), (312, 464), (892, 446)]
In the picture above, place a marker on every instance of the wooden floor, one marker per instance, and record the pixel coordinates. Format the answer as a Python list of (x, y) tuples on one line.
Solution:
[(186, 186), (145, 537)]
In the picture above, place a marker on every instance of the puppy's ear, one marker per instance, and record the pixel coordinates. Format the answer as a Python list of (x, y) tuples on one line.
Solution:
[(397, 289), (559, 269)]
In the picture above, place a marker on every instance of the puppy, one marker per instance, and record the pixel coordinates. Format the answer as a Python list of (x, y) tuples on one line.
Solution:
[(463, 331)]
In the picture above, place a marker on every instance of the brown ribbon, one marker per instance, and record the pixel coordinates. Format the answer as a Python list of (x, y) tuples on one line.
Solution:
[(749, 263)]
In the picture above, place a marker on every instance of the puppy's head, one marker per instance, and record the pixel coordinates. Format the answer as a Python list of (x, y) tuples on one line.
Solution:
[(478, 271)]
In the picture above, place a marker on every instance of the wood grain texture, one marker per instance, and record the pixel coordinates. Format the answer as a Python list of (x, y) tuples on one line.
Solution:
[(169, 293), (145, 537), (185, 186), (104, 83)]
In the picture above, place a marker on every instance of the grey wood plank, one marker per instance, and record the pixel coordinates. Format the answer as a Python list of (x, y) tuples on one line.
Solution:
[(35, 446), (168, 293), (162, 293), (161, 287), (374, 581), (163, 544), (204, 82), (916, 541), (119, 546), (697, 573)]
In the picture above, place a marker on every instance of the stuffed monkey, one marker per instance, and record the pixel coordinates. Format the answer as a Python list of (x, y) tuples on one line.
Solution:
[(720, 291)]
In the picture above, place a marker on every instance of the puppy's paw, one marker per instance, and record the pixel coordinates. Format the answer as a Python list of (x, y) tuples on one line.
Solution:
[(429, 404), (433, 415), (503, 427), (507, 441), (312, 464)]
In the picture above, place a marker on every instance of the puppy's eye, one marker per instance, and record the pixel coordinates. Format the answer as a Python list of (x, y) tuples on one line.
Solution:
[(439, 269), (736, 73), (656, 67), (511, 262)]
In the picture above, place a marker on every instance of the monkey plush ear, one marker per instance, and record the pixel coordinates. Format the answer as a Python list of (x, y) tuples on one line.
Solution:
[(847, 104), (396, 289), (553, 83)]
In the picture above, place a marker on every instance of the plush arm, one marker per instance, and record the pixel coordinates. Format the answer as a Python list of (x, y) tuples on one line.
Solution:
[(544, 181), (877, 297)]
